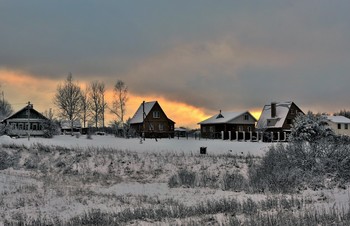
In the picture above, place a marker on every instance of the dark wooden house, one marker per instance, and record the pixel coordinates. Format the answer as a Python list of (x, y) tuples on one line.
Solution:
[(151, 121), (227, 122), (25, 121), (278, 117)]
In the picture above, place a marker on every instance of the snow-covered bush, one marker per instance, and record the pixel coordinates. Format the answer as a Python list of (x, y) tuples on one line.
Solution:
[(50, 128), (310, 128), (276, 172)]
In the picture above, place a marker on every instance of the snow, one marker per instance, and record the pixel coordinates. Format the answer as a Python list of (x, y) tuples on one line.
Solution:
[(282, 110), (181, 145), (227, 116), (27, 193), (338, 119), (138, 117)]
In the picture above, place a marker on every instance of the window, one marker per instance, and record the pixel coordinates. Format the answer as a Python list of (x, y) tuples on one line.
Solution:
[(246, 117), (240, 128), (161, 127), (156, 114), (212, 129), (151, 127), (339, 126), (13, 125), (249, 129), (35, 126), (346, 126), (20, 126)]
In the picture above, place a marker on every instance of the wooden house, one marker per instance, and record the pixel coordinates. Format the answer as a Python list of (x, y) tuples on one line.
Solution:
[(25, 121), (151, 121), (278, 117), (339, 124), (227, 121)]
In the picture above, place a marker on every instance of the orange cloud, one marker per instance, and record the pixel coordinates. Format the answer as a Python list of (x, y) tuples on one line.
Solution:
[(20, 88), (183, 114)]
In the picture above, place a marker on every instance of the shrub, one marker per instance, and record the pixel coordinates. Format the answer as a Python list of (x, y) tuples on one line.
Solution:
[(234, 181)]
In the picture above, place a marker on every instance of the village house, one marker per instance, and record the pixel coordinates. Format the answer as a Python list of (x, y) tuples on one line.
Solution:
[(24, 122), (222, 124), (277, 119), (339, 124), (151, 121)]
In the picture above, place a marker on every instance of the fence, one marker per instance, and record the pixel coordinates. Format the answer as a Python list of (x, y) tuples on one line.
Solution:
[(248, 136)]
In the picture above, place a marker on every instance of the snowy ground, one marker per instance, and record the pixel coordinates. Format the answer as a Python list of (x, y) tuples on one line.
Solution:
[(149, 145), (78, 184)]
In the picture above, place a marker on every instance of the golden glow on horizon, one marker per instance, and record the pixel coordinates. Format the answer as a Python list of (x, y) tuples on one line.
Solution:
[(20, 88)]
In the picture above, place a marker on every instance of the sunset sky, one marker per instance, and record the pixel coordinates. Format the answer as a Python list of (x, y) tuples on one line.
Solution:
[(194, 57)]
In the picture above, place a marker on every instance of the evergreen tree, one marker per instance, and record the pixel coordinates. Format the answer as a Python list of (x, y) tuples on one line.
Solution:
[(311, 128)]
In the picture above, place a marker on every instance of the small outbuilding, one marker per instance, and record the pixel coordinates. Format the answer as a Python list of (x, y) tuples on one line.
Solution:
[(339, 124)]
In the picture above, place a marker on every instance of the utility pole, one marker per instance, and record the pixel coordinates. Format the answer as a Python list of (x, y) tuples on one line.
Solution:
[(28, 114)]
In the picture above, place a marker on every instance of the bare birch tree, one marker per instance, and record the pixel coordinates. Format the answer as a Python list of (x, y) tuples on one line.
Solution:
[(68, 100), (98, 105), (120, 99), (85, 101), (5, 107)]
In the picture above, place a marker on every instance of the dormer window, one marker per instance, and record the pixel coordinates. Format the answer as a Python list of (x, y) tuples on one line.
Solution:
[(219, 115)]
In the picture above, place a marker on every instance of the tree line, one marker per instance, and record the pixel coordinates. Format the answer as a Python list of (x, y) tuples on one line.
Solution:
[(89, 105)]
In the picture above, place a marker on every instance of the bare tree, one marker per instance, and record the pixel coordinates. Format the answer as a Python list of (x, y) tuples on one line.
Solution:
[(68, 100), (120, 99), (102, 91), (5, 107), (96, 95), (85, 102)]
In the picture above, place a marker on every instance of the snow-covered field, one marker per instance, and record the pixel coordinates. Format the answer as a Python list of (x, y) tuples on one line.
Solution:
[(117, 175), (149, 145)]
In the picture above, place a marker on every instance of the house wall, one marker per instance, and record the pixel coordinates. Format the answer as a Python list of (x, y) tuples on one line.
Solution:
[(344, 128), (214, 130), (294, 111)]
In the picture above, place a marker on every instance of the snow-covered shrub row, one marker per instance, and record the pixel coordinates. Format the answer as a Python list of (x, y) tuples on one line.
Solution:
[(233, 181), (297, 166), (114, 166), (168, 212)]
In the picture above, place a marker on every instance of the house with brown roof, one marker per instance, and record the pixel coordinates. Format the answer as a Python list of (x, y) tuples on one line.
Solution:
[(225, 122), (25, 121), (151, 121)]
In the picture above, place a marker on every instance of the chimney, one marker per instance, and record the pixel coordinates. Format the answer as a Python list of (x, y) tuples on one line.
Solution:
[(273, 109)]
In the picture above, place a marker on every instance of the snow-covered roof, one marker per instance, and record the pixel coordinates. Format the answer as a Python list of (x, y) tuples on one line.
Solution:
[(266, 121), (138, 117), (225, 117), (67, 124), (339, 119)]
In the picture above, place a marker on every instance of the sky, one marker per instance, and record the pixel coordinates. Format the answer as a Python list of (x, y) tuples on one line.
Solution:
[(194, 57)]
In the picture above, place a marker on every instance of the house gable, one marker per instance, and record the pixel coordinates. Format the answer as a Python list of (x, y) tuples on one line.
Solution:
[(152, 121), (278, 115)]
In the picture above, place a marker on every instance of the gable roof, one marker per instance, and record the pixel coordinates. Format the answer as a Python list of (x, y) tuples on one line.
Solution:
[(282, 109), (339, 119), (138, 117), (224, 117), (24, 109)]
